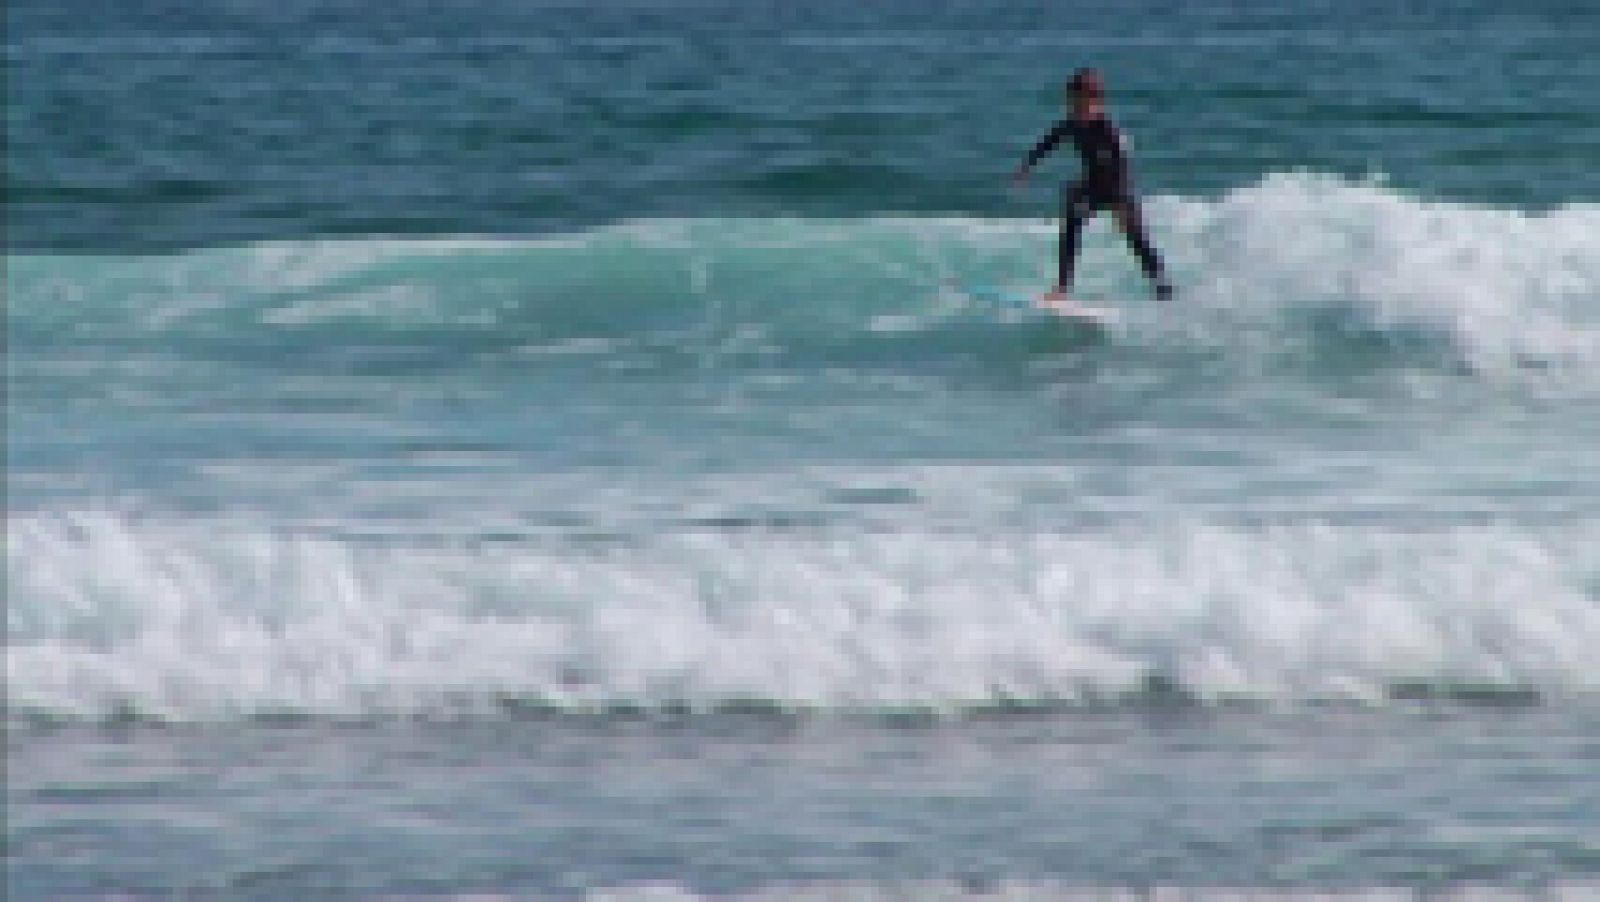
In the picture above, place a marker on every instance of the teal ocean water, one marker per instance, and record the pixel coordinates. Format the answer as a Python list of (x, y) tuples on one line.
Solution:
[(566, 451)]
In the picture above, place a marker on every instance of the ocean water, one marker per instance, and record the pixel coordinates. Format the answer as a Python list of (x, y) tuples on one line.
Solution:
[(563, 450)]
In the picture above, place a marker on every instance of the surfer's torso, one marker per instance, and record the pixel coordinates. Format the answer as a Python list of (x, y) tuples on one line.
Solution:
[(1100, 146)]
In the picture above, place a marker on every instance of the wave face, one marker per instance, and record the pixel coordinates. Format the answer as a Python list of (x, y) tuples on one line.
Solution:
[(1295, 265), (800, 463)]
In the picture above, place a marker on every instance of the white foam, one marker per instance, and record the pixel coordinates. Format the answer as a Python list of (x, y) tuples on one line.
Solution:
[(1507, 287), (189, 620)]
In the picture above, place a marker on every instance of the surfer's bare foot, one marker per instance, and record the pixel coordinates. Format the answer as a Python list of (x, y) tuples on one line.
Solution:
[(1056, 297)]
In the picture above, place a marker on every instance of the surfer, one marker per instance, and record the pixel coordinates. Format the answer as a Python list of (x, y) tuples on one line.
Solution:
[(1104, 185)]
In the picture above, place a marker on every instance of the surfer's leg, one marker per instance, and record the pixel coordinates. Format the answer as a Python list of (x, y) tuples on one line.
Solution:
[(1127, 213), (1075, 211)]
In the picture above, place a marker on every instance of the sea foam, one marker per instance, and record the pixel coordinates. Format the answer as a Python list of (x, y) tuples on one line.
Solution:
[(112, 616)]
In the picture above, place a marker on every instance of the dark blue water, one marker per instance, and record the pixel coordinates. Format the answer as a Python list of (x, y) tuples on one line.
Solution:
[(563, 450), (149, 125)]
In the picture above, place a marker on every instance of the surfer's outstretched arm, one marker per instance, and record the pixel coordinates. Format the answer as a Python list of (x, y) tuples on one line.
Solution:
[(1045, 144)]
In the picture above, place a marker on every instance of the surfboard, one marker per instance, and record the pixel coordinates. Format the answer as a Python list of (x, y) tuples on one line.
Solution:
[(1034, 303)]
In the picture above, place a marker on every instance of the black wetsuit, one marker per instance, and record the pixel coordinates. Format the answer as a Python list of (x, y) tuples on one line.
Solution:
[(1105, 184)]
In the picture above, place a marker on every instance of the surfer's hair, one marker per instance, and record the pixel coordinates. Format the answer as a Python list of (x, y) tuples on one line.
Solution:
[(1086, 82)]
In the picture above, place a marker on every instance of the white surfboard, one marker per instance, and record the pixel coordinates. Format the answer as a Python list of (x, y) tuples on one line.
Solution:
[(1070, 309), (1066, 309)]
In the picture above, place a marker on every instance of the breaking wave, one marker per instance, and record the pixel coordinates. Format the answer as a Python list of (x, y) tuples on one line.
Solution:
[(118, 616)]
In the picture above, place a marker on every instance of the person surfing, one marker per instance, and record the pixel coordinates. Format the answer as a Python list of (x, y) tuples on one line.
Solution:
[(1105, 184)]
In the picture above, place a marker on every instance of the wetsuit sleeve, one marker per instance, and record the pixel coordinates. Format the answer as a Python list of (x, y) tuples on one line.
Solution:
[(1046, 144)]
